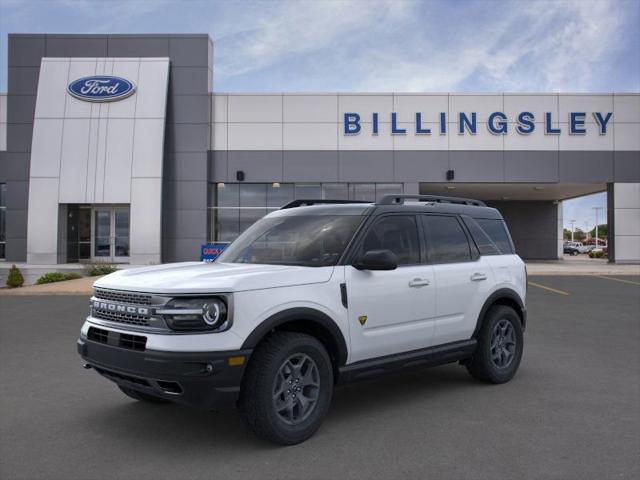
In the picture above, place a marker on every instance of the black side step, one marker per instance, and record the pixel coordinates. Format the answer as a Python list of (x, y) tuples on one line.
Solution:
[(423, 358)]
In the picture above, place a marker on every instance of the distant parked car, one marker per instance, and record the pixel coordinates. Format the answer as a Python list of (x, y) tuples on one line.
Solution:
[(601, 251), (571, 249)]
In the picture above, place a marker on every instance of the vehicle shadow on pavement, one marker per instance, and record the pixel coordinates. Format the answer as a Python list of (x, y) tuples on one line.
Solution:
[(200, 431)]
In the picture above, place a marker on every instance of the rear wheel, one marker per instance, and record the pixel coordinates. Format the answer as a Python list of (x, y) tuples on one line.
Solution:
[(500, 345), (287, 388), (143, 397)]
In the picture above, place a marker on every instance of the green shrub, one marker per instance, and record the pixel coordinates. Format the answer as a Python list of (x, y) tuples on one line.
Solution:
[(596, 254), (52, 277), (15, 278), (101, 269)]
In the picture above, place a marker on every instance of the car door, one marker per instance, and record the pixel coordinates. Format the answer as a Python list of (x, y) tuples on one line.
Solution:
[(391, 311), (462, 277)]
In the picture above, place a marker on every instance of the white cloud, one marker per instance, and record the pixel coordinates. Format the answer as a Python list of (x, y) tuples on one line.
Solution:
[(290, 29), (406, 46), (558, 49), (377, 45)]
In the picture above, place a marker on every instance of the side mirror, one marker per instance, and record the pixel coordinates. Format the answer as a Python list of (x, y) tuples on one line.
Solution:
[(377, 260)]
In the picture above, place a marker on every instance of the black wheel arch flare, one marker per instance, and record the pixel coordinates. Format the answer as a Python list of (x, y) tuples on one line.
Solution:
[(503, 296), (304, 320)]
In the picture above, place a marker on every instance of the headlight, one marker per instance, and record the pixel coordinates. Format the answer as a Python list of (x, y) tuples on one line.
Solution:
[(196, 314)]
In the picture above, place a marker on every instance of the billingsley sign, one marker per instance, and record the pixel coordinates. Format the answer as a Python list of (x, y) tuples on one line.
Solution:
[(101, 88), (497, 123)]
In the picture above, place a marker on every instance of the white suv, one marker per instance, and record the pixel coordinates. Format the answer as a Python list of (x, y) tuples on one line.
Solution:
[(315, 294)]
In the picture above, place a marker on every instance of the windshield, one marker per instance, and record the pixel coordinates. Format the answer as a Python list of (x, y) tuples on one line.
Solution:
[(309, 241)]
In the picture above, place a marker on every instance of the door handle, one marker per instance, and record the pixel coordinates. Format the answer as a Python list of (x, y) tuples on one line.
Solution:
[(419, 282), (476, 277)]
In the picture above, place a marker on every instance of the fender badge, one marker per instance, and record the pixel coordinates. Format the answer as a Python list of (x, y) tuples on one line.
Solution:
[(362, 319)]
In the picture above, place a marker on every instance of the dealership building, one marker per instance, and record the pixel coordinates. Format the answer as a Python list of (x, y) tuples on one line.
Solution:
[(117, 148)]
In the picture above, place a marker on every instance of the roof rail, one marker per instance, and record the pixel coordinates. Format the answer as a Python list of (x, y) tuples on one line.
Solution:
[(399, 200), (306, 203)]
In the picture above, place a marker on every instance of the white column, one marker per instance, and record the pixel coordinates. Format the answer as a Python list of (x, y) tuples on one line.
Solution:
[(626, 211)]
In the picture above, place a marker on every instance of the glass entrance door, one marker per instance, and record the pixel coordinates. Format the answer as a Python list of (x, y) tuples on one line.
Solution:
[(111, 234)]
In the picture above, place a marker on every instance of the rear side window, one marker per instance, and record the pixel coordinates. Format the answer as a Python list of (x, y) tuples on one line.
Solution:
[(446, 240), (485, 245), (398, 233), (497, 231)]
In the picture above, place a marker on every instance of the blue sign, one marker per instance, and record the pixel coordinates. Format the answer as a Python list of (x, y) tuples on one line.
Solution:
[(497, 123), (210, 251), (101, 88)]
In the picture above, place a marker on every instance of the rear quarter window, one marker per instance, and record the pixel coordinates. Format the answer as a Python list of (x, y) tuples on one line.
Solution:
[(496, 230)]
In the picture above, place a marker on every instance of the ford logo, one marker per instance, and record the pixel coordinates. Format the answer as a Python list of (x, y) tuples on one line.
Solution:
[(101, 88)]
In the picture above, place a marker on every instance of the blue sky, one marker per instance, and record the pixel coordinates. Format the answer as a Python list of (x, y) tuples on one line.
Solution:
[(378, 45)]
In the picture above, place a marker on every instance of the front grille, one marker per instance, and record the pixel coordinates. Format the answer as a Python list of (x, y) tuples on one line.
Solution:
[(132, 298), (128, 318), (98, 335), (133, 342), (122, 340)]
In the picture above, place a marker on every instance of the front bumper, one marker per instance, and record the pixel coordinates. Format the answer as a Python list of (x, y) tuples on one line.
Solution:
[(204, 380)]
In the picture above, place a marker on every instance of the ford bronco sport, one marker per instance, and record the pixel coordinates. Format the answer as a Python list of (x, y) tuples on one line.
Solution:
[(316, 294)]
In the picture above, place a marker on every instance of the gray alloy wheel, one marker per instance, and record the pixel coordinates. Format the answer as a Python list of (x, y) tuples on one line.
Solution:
[(296, 389), (287, 387), (500, 346), (503, 344)]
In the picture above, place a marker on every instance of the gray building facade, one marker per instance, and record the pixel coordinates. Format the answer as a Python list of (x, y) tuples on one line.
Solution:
[(153, 176)]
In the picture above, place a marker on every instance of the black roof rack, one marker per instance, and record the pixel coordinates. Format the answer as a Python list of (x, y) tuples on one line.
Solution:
[(306, 203), (399, 200)]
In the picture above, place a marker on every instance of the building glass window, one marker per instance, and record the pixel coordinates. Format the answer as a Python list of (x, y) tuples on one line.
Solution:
[(309, 190), (234, 207), (3, 216), (362, 191), (335, 191), (383, 189), (253, 203), (279, 194)]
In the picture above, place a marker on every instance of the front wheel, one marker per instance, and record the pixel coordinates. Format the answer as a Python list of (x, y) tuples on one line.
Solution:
[(287, 388), (500, 344)]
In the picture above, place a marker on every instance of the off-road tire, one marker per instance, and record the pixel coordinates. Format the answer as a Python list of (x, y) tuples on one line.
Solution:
[(256, 403), (482, 365), (143, 397)]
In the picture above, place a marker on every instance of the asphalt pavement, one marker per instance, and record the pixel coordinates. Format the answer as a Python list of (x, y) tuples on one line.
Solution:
[(571, 412)]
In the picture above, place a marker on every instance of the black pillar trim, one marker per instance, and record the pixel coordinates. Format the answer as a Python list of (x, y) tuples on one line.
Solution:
[(611, 227)]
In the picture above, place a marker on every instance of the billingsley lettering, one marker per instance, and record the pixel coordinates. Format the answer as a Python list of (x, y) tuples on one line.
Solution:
[(467, 123)]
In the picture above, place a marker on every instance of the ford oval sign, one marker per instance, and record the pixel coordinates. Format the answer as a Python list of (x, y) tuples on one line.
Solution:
[(101, 88)]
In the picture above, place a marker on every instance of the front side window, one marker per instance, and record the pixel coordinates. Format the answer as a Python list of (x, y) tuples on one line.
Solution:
[(446, 240), (397, 233), (309, 241)]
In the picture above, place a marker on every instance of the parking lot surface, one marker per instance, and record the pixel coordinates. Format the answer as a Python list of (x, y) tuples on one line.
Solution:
[(572, 411)]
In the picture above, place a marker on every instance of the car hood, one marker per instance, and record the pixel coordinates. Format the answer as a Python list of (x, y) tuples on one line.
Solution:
[(199, 277)]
